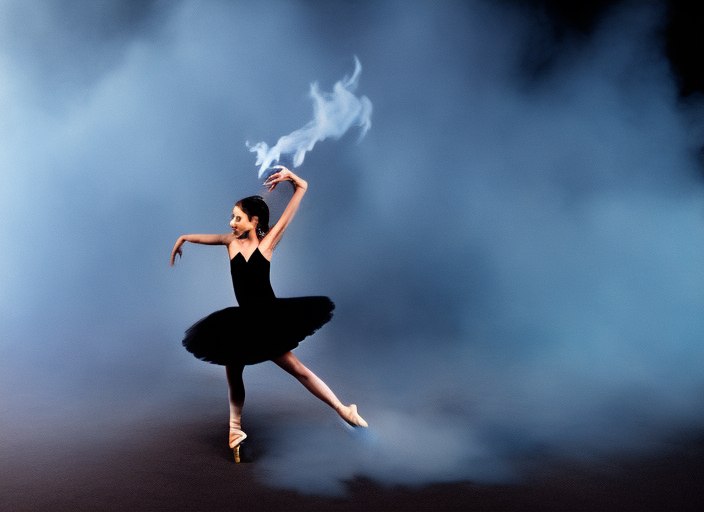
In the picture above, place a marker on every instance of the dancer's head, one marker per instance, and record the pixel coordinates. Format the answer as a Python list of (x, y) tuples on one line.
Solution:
[(251, 213)]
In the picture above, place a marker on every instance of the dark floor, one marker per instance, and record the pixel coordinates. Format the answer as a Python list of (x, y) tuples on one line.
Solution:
[(190, 468)]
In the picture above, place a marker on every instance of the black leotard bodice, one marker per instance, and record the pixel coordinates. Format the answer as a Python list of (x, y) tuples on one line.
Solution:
[(263, 326), (250, 279)]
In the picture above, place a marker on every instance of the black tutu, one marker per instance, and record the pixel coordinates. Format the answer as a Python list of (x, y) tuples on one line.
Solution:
[(247, 335), (263, 327)]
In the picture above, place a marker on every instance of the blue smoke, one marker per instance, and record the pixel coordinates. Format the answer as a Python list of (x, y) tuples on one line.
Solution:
[(333, 114), (517, 261)]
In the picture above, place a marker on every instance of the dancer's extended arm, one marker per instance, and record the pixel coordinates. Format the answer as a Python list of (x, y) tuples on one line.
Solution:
[(266, 246), (199, 239)]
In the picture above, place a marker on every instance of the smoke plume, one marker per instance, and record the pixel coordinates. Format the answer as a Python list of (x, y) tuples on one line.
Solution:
[(333, 114), (516, 255)]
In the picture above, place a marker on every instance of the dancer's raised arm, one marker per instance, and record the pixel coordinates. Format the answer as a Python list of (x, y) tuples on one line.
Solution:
[(272, 238), (199, 239)]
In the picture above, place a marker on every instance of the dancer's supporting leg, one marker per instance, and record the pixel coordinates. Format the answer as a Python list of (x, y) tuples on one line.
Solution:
[(236, 385), (315, 385)]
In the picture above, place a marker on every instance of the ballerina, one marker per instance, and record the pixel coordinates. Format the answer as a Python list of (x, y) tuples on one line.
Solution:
[(263, 327)]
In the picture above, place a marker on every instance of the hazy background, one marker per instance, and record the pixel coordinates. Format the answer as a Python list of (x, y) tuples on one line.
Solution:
[(515, 249)]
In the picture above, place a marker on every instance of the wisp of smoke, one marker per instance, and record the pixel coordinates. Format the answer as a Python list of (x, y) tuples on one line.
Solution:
[(333, 114), (555, 315)]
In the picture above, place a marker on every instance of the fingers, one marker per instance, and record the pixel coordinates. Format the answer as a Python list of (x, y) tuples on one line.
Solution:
[(272, 180), (280, 171), (283, 174), (272, 184), (276, 175), (173, 256)]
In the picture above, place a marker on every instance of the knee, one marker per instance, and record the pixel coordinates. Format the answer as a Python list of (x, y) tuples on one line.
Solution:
[(299, 371), (290, 363)]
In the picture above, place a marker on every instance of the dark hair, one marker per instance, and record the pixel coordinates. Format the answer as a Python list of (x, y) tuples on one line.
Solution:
[(254, 206)]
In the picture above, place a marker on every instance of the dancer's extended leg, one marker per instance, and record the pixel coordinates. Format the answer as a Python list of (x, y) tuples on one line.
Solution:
[(236, 387), (315, 385)]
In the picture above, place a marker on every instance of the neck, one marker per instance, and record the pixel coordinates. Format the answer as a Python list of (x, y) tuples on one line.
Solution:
[(248, 236)]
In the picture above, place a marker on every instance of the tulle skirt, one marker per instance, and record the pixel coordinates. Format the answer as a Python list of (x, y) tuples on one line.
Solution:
[(250, 335)]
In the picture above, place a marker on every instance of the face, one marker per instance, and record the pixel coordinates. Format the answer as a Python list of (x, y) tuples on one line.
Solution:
[(241, 223)]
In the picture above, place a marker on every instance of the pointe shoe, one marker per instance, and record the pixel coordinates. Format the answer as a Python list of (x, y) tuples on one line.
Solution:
[(236, 438), (353, 417)]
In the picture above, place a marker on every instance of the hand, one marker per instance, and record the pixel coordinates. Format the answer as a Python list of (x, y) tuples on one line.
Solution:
[(177, 250), (283, 174)]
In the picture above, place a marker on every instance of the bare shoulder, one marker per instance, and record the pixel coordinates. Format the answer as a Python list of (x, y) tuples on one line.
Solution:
[(232, 246), (266, 247)]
